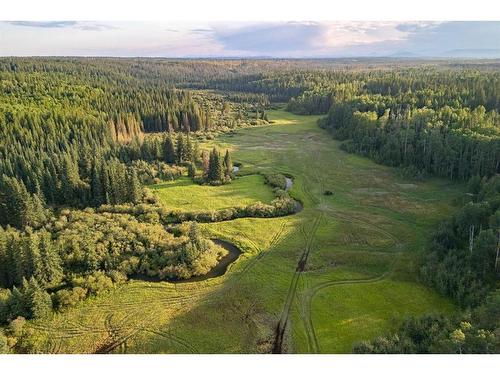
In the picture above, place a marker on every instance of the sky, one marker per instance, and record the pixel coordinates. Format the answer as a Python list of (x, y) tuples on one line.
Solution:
[(250, 39)]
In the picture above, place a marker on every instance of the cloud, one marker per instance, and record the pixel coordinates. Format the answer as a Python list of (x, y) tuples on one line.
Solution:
[(269, 38), (44, 24), (80, 25), (275, 39), (201, 30), (439, 39), (416, 27)]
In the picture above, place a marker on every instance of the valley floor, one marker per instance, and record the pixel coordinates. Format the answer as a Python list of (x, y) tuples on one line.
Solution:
[(342, 270)]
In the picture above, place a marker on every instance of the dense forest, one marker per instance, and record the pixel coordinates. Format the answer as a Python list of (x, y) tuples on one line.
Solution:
[(65, 127), (430, 122)]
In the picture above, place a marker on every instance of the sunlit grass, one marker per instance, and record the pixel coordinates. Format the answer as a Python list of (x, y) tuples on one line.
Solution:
[(185, 195)]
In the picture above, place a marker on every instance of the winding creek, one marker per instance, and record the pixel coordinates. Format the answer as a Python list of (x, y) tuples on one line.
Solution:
[(233, 251), (221, 267)]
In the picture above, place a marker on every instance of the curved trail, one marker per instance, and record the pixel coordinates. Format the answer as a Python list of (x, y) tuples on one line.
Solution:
[(309, 295), (306, 300)]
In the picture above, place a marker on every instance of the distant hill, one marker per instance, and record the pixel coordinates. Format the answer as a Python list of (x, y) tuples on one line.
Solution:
[(473, 53)]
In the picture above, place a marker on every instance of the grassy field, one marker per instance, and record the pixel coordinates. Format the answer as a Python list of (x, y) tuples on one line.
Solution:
[(359, 279), (185, 195)]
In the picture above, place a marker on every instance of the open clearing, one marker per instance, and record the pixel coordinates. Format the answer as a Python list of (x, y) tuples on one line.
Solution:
[(342, 270), (185, 195)]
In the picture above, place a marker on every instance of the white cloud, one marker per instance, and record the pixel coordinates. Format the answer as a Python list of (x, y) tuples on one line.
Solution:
[(277, 39)]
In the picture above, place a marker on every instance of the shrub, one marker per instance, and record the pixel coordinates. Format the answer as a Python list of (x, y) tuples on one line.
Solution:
[(66, 298), (276, 180)]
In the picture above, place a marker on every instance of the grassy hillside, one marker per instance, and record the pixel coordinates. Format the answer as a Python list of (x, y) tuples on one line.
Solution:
[(358, 249)]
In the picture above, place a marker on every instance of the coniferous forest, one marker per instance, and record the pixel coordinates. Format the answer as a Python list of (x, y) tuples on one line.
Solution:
[(84, 143)]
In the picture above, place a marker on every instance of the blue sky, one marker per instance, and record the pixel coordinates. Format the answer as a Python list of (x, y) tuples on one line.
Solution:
[(250, 39)]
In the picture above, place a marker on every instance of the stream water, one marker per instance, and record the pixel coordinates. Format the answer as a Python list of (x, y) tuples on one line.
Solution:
[(220, 268)]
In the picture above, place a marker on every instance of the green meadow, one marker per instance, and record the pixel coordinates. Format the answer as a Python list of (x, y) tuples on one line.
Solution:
[(361, 247), (183, 194)]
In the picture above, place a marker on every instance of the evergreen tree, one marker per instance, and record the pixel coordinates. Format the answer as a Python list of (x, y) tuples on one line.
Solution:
[(3, 259), (196, 152), (15, 207), (134, 187), (228, 165), (189, 151), (195, 236), (71, 184), (15, 259), (31, 255), (51, 270), (169, 150), (106, 185), (215, 172), (96, 188), (38, 303), (205, 161), (18, 305), (180, 149), (191, 170)]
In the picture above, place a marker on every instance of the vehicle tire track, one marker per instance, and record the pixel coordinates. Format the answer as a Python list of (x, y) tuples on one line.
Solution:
[(175, 339), (285, 314), (309, 295)]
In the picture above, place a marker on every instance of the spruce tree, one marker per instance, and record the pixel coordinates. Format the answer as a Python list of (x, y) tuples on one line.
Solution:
[(37, 210), (3, 259), (15, 203), (215, 167), (205, 161), (96, 188), (51, 261), (188, 154), (196, 152), (106, 185), (191, 170), (228, 165), (31, 255), (180, 149), (134, 187), (15, 259), (195, 236), (169, 150), (38, 303)]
